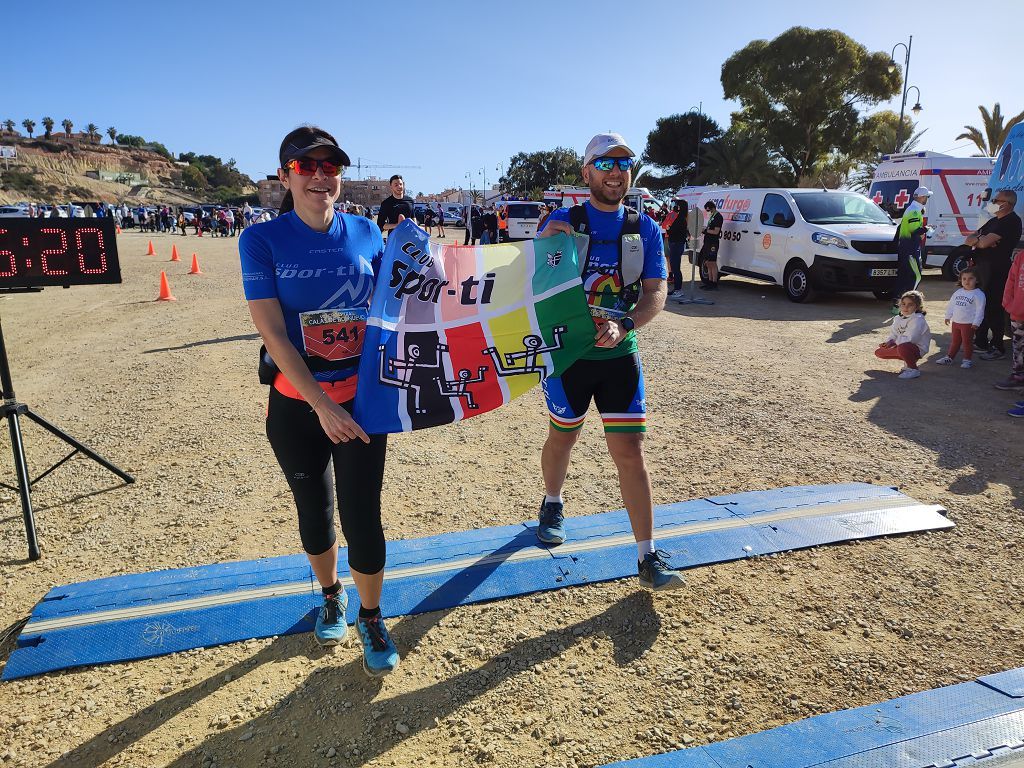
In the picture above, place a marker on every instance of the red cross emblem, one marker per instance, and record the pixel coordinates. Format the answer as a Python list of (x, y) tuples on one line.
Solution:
[(877, 197), (902, 198)]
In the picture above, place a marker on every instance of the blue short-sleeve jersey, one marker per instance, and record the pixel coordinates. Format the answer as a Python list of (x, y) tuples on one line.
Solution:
[(605, 229), (306, 270), (606, 225)]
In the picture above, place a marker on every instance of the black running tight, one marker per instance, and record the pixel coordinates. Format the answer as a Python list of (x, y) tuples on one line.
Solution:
[(306, 454)]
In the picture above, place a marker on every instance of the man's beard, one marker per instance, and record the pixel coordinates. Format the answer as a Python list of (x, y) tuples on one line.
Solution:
[(602, 195)]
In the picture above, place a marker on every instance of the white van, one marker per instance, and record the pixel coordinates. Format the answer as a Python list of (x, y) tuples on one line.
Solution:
[(958, 195), (806, 240), (518, 220)]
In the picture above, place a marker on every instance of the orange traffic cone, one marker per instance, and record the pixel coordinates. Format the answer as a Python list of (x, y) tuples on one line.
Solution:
[(117, 230), (195, 266), (151, 251), (174, 253), (165, 289)]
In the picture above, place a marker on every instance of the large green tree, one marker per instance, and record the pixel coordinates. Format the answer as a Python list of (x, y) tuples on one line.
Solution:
[(672, 147), (530, 173), (803, 91), (29, 126), (992, 134), (47, 127)]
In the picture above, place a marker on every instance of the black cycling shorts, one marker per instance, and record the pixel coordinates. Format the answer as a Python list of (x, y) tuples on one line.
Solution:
[(615, 385)]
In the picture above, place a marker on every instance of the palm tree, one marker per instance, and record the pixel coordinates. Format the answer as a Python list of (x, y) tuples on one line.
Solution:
[(68, 125), (112, 133), (48, 127), (989, 140), (92, 131), (9, 125), (29, 126), (737, 158)]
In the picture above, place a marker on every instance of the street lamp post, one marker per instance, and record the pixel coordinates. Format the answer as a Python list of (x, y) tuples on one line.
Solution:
[(700, 129), (906, 88), (694, 218)]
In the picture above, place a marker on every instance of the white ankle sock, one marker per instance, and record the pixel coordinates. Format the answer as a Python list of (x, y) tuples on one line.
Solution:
[(644, 548), (555, 499)]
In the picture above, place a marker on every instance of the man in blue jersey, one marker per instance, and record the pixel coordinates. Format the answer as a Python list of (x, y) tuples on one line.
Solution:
[(622, 264)]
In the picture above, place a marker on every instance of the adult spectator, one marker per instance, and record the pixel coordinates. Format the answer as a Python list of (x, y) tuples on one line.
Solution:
[(707, 259), (678, 235), (474, 225), (491, 224), (397, 205), (440, 220), (993, 245), (910, 237)]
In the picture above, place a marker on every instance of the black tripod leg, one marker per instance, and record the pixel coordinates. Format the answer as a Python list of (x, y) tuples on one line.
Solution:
[(24, 488), (58, 432)]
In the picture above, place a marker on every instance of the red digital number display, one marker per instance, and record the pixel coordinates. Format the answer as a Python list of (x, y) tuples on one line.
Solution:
[(57, 252)]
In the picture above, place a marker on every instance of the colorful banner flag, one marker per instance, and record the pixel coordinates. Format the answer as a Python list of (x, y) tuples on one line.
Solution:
[(454, 331)]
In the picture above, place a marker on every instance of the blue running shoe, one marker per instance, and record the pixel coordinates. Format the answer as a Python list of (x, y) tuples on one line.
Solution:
[(1017, 412), (380, 655), (1019, 404), (330, 626), (656, 574), (550, 524)]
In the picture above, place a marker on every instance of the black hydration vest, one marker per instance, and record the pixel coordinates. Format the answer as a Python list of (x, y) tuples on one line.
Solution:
[(631, 252)]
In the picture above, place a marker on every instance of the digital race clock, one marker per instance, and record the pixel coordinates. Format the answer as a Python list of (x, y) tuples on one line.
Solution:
[(62, 252)]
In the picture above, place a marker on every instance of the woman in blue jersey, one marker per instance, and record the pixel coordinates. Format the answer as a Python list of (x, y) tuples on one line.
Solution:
[(308, 276)]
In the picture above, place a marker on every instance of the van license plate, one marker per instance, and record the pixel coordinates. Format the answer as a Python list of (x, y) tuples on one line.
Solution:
[(883, 273)]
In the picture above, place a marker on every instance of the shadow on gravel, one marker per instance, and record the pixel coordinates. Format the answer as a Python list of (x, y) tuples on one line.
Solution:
[(930, 411), (205, 342), (854, 313), (631, 624)]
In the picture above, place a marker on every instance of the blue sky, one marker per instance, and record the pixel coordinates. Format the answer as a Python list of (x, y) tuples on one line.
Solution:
[(457, 87)]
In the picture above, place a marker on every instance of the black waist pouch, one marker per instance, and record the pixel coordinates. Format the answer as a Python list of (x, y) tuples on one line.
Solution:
[(268, 369)]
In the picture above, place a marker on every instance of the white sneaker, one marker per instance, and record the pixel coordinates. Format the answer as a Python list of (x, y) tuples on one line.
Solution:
[(904, 369), (910, 373), (675, 294), (946, 360), (967, 364)]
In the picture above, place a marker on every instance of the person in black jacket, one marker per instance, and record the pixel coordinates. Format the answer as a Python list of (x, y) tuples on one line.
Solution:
[(678, 235), (397, 205)]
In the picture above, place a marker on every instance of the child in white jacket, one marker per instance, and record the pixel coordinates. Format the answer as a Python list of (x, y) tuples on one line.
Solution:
[(910, 336), (966, 310)]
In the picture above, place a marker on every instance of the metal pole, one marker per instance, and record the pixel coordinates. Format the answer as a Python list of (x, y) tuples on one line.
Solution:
[(693, 298), (700, 112), (903, 103), (12, 409)]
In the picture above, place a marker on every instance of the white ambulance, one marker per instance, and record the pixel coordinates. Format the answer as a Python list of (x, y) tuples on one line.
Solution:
[(958, 195), (806, 240)]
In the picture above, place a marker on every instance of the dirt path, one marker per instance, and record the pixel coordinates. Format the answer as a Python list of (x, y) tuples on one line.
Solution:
[(752, 393)]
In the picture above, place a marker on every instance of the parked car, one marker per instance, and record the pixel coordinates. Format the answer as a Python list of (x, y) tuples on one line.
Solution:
[(454, 218), (13, 212)]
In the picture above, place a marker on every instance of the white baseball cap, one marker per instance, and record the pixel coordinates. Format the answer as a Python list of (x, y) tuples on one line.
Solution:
[(604, 143), (922, 192)]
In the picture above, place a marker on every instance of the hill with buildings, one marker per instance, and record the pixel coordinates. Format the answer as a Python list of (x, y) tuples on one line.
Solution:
[(79, 167)]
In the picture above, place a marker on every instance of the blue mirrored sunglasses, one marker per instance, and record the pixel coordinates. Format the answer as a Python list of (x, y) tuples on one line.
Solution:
[(607, 163)]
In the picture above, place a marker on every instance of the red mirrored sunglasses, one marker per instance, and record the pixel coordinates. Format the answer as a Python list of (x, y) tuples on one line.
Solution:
[(306, 166)]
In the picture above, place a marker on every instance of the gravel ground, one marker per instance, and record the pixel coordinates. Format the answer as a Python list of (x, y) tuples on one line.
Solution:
[(751, 393)]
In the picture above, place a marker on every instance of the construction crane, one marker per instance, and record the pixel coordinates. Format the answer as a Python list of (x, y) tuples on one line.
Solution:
[(371, 164)]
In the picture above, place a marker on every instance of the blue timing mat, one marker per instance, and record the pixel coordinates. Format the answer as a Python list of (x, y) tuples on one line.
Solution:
[(151, 614), (980, 723)]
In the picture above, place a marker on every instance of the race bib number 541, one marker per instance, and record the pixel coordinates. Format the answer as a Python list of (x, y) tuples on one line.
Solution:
[(333, 334)]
